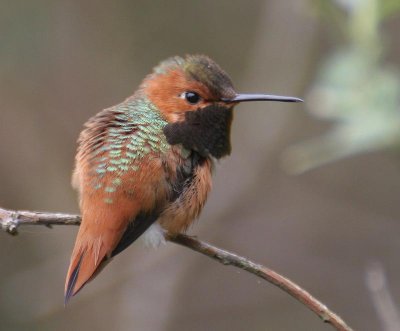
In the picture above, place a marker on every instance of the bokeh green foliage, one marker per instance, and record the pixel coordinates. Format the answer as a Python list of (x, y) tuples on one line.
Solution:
[(354, 89)]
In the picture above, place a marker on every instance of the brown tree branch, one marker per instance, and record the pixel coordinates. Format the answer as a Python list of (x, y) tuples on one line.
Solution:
[(11, 220)]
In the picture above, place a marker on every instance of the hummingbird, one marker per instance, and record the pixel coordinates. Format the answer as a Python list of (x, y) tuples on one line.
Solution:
[(144, 166)]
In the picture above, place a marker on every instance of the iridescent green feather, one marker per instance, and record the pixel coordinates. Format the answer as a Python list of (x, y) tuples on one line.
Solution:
[(134, 131)]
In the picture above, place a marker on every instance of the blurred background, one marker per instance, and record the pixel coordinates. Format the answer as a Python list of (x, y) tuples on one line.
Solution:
[(310, 190)]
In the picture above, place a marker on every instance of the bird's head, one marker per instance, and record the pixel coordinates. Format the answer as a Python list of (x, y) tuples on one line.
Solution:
[(178, 85), (197, 97)]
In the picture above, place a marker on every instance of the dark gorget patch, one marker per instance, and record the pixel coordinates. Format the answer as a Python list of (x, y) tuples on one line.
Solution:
[(206, 131)]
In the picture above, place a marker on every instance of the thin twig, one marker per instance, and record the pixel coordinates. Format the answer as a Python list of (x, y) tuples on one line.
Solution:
[(11, 220)]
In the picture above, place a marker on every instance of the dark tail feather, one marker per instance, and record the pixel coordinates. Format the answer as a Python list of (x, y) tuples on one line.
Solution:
[(72, 281)]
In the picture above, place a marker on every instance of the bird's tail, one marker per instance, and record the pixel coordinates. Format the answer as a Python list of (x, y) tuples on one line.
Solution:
[(87, 261)]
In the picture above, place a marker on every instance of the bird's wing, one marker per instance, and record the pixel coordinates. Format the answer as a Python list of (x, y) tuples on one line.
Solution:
[(120, 173)]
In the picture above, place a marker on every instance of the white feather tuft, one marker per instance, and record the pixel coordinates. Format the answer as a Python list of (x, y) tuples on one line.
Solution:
[(154, 236)]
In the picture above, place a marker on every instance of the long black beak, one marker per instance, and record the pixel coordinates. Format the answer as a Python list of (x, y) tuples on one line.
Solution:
[(260, 97)]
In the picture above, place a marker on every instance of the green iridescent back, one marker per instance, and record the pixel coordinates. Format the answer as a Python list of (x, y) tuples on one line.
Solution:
[(119, 137)]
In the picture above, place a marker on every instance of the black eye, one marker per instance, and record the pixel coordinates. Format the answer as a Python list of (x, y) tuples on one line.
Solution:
[(191, 97)]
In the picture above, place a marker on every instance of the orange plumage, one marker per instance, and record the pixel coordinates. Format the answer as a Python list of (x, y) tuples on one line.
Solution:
[(149, 159)]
